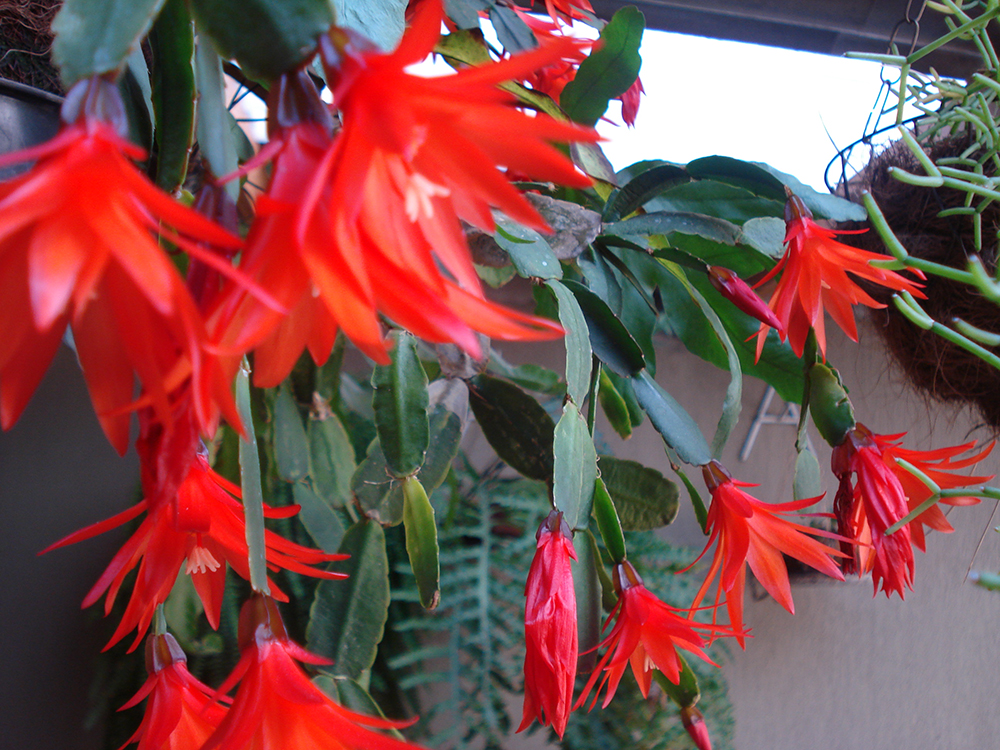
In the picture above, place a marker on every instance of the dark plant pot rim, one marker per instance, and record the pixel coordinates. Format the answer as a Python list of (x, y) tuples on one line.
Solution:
[(23, 91)]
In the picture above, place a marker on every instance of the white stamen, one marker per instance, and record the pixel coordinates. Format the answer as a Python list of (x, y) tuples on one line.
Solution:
[(200, 560), (419, 192)]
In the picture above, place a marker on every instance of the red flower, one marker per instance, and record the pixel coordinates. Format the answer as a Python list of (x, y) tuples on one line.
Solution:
[(737, 291), (181, 711), (78, 246), (816, 274), (695, 725), (550, 631), (298, 148), (883, 493), (630, 102), (201, 523), (277, 707), (646, 634), (752, 532), (367, 222), (869, 507)]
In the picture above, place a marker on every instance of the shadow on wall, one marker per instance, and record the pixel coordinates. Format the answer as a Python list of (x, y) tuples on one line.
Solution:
[(57, 474)]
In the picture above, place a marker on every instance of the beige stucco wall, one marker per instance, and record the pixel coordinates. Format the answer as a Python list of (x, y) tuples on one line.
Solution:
[(850, 671)]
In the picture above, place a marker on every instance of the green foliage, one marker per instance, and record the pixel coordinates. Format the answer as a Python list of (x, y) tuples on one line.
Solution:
[(609, 70), (348, 616), (400, 404), (96, 36), (171, 43), (266, 37), (472, 646), (643, 497), (574, 467), (515, 424)]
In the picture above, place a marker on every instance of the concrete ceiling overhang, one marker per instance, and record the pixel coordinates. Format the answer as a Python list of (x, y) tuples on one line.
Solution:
[(830, 27)]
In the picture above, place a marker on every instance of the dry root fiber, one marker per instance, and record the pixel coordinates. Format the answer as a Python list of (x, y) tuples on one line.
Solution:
[(940, 369), (25, 43)]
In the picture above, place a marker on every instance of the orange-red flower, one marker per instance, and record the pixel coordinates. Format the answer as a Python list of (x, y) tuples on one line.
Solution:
[(817, 273), (78, 247), (367, 222), (755, 533), (550, 628), (283, 244), (277, 707), (181, 711), (202, 524), (646, 635), (867, 508), (884, 492)]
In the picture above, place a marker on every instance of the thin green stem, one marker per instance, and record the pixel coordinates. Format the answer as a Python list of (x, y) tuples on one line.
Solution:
[(984, 491), (253, 493), (160, 621), (954, 34)]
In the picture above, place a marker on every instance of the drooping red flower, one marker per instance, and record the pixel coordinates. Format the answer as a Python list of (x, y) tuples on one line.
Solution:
[(737, 291), (277, 707), (200, 526), (884, 492), (79, 248), (646, 635), (755, 533), (816, 275), (630, 102), (550, 628), (867, 508), (181, 711), (282, 246)]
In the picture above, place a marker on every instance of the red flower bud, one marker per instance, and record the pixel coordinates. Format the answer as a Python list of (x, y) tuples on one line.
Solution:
[(695, 725), (550, 631), (737, 291)]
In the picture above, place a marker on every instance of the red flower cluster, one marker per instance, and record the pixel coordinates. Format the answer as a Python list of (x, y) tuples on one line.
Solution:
[(367, 221), (90, 259), (883, 493), (194, 520)]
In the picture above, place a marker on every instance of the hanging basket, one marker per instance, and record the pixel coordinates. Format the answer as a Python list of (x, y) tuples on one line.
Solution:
[(935, 366)]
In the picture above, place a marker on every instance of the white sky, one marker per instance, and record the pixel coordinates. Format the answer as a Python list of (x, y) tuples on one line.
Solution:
[(705, 97)]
